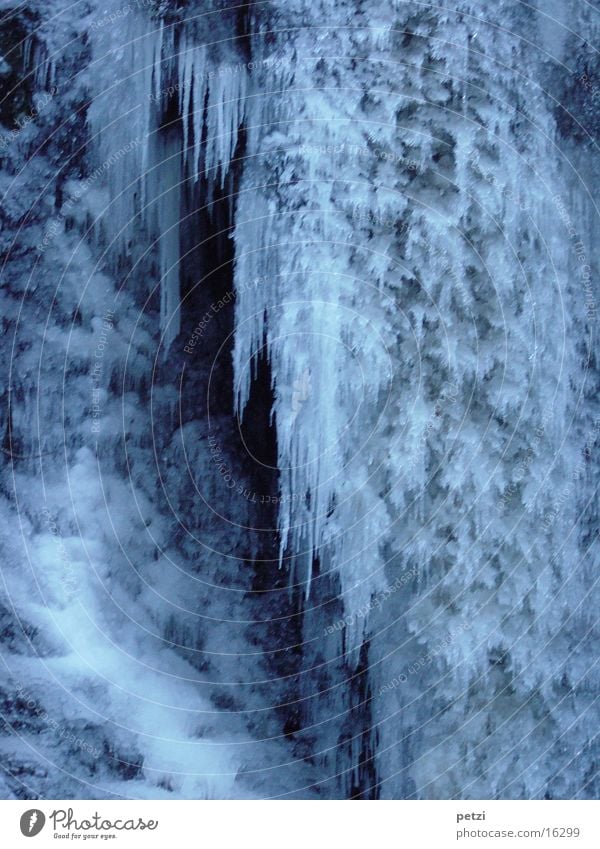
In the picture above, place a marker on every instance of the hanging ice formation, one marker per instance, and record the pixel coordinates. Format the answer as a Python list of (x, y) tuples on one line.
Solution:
[(377, 226), (181, 105), (183, 99), (375, 265)]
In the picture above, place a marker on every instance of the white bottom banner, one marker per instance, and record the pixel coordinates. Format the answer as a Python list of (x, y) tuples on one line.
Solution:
[(294, 825)]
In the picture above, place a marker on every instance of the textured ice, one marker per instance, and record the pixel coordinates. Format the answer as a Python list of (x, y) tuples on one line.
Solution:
[(398, 197)]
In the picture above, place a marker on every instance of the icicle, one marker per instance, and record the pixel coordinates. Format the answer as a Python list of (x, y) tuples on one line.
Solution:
[(158, 61), (27, 53), (198, 91), (184, 81), (169, 209)]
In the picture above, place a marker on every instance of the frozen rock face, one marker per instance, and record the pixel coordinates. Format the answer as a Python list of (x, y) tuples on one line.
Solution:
[(300, 420), (418, 239), (131, 616)]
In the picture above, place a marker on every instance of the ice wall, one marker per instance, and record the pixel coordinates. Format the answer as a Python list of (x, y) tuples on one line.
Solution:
[(406, 267), (412, 235)]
